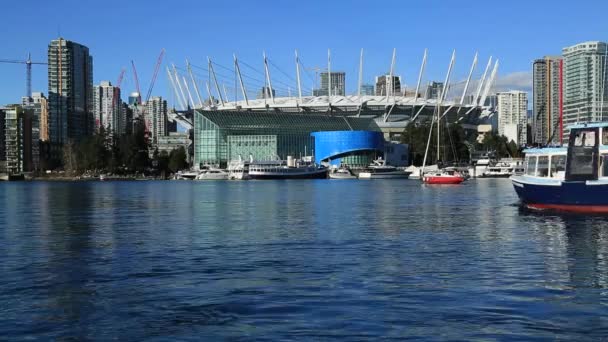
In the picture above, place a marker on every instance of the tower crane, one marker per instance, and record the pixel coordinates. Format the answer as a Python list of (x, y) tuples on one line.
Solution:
[(28, 67), (136, 82)]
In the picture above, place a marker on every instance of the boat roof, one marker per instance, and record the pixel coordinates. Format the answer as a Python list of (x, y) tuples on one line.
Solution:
[(589, 125), (546, 150)]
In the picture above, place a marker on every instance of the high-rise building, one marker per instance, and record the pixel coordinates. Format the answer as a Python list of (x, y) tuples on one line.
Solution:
[(381, 85), (70, 79), (107, 108), (547, 101), (585, 87), (512, 116), (338, 83), (367, 90), (3, 139), (18, 148), (433, 90), (35, 112), (156, 118)]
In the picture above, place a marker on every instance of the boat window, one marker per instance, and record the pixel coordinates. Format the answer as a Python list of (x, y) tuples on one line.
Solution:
[(530, 165), (558, 164), (605, 136), (542, 167), (604, 161), (585, 138)]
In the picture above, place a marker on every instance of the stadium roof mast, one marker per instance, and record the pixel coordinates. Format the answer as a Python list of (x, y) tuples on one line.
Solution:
[(392, 91), (298, 77), (179, 86), (482, 81), (266, 69), (489, 83), (360, 75), (238, 71), (446, 86), (329, 77), (422, 66), (217, 86), (480, 87), (209, 94), (466, 85), (198, 93), (179, 99), (188, 91)]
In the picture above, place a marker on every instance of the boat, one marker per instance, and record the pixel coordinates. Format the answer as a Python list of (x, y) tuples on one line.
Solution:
[(503, 168), (380, 170), (287, 169), (341, 173), (187, 175), (571, 179), (212, 173), (239, 169), (441, 175)]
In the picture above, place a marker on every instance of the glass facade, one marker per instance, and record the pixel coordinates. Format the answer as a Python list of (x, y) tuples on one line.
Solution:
[(221, 136)]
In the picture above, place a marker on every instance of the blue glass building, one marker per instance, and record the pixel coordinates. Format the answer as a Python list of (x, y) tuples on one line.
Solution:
[(352, 148)]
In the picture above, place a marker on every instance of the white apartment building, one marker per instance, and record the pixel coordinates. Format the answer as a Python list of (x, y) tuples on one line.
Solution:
[(512, 116)]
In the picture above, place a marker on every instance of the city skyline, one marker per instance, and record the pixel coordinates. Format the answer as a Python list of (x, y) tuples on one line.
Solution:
[(142, 39)]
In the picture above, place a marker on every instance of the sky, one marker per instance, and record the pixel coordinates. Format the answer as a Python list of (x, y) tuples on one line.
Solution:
[(116, 32)]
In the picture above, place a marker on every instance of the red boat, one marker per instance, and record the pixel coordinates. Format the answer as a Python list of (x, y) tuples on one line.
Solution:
[(443, 177)]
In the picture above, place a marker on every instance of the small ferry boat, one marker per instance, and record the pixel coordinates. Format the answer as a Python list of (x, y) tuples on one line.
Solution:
[(379, 170), (289, 169), (572, 178), (341, 173)]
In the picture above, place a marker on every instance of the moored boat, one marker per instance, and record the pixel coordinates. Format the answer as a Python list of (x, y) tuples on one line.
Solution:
[(443, 177), (212, 173), (341, 173), (380, 170), (289, 169), (572, 178)]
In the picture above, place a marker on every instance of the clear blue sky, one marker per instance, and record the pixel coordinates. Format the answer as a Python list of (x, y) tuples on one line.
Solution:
[(117, 32)]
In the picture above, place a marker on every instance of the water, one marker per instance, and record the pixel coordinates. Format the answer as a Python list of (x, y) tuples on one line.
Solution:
[(311, 260)]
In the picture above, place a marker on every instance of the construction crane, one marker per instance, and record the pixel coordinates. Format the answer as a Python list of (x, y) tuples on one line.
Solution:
[(136, 83), (28, 67), (159, 61), (152, 82), (117, 88)]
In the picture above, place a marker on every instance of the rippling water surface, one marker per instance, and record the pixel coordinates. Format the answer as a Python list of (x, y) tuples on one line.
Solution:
[(312, 260)]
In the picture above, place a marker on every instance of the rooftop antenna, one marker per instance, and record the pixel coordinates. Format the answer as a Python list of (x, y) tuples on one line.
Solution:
[(422, 66), (238, 71)]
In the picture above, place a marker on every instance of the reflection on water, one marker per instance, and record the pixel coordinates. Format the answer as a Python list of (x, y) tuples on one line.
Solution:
[(295, 259)]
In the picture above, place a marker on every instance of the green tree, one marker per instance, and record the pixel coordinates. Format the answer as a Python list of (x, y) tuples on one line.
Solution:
[(177, 159)]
